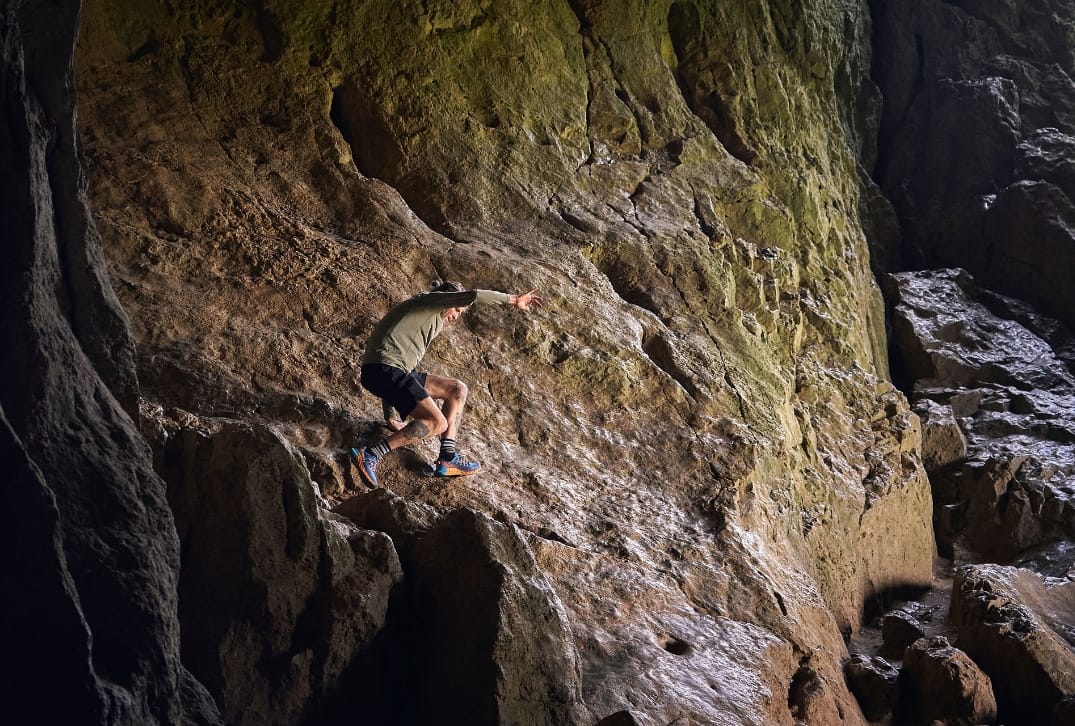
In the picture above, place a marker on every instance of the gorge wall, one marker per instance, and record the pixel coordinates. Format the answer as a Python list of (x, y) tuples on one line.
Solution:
[(697, 479)]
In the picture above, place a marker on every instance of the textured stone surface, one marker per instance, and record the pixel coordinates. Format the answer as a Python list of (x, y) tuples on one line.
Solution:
[(1015, 488), (946, 686), (898, 631), (91, 558), (1020, 628), (277, 598), (698, 420), (976, 140), (478, 635), (943, 442), (875, 683), (499, 648)]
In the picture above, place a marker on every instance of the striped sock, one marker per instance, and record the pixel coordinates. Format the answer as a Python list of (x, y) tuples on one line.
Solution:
[(380, 449), (447, 449)]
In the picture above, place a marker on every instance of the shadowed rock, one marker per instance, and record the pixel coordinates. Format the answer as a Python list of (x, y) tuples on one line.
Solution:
[(898, 631), (497, 646), (875, 683), (477, 635), (278, 598), (945, 684), (976, 140), (1064, 713), (89, 582), (1019, 628), (1014, 489)]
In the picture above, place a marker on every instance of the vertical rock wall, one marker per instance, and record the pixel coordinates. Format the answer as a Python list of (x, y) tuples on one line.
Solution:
[(976, 140), (90, 580), (697, 432)]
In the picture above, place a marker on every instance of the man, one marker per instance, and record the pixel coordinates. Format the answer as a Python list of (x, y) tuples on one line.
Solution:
[(388, 371)]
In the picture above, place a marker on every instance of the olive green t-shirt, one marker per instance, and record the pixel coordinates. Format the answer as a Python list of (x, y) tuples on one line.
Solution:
[(401, 338)]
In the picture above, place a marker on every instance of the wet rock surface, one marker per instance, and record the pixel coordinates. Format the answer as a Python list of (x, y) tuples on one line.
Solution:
[(943, 442), (696, 432), (976, 140), (1014, 488), (1020, 627), (991, 362), (945, 685)]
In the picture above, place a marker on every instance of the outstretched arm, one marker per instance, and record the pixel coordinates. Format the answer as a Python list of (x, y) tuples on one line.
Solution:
[(526, 301), (463, 299)]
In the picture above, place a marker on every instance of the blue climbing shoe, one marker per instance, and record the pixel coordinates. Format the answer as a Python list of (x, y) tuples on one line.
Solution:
[(458, 465), (366, 463)]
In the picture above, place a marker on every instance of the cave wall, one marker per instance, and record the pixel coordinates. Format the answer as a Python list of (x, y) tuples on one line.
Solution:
[(976, 140), (91, 554), (695, 441)]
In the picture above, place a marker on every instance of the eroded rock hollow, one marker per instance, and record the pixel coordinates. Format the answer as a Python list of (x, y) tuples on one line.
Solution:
[(698, 479)]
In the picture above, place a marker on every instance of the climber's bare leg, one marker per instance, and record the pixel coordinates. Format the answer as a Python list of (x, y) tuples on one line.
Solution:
[(454, 394)]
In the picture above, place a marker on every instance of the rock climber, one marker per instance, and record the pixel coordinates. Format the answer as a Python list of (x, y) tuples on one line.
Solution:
[(388, 371)]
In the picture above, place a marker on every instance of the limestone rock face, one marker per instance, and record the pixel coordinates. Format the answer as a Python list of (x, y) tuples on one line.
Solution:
[(277, 598), (500, 649), (697, 428), (91, 557), (976, 140), (1019, 628)]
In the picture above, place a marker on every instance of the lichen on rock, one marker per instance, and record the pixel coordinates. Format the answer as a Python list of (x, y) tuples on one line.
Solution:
[(697, 430)]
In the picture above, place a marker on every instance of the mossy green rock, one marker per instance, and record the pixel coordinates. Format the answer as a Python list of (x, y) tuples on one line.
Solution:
[(697, 426)]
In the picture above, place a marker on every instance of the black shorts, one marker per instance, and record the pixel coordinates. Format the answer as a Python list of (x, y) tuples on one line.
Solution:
[(398, 388)]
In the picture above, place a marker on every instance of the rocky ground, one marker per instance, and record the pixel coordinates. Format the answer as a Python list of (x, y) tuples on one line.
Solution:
[(995, 403), (698, 479)]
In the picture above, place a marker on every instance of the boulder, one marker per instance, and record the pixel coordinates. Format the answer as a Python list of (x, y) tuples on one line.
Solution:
[(899, 630), (875, 683), (477, 634), (381, 510), (278, 598), (943, 684), (1018, 627), (495, 644), (943, 442), (965, 403)]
